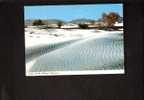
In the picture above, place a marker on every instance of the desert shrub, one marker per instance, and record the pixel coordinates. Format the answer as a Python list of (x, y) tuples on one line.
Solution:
[(111, 18), (83, 26), (60, 23), (38, 22)]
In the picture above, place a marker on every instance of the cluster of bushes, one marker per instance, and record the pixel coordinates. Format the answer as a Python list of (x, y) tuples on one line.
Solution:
[(40, 22)]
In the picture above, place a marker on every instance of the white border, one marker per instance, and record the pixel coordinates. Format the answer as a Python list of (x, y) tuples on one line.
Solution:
[(88, 72)]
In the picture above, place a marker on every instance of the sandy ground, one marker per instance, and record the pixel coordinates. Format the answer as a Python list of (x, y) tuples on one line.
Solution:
[(34, 38), (43, 36)]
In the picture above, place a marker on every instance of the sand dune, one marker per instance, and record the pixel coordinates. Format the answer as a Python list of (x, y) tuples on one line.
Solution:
[(73, 50)]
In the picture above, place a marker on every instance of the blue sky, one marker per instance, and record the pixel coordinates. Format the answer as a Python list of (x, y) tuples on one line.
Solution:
[(71, 12)]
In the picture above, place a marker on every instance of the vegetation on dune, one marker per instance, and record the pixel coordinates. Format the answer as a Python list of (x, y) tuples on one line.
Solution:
[(60, 23), (110, 18), (83, 26), (38, 22)]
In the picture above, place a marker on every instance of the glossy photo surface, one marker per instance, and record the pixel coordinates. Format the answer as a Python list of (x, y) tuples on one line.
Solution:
[(77, 39)]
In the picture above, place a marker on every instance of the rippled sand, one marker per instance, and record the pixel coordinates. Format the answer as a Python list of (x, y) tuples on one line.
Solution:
[(105, 53)]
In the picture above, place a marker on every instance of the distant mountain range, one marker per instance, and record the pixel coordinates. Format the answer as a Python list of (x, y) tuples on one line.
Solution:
[(82, 21)]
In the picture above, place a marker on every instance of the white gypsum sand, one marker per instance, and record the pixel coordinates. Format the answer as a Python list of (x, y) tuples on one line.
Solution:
[(42, 37)]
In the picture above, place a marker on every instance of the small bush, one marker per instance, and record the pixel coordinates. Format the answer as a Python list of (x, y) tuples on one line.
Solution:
[(60, 23), (83, 26), (38, 22)]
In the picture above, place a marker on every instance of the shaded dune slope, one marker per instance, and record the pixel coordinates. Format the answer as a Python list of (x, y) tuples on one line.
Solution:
[(88, 54)]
